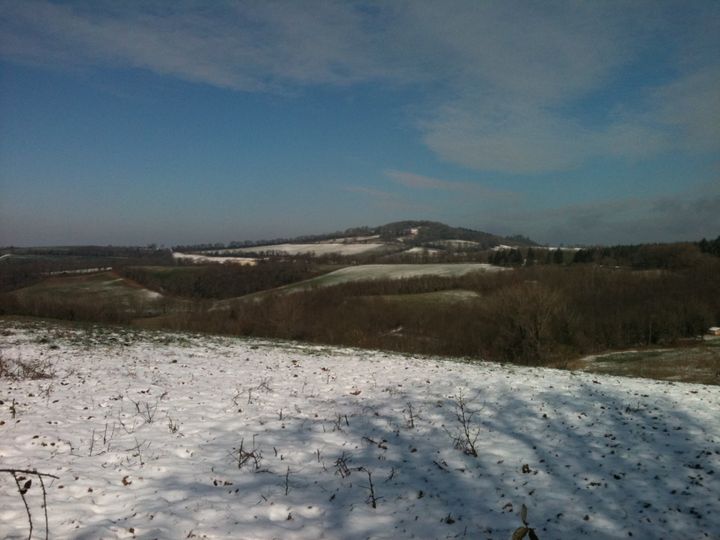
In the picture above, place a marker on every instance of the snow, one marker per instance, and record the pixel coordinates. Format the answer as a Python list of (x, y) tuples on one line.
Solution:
[(80, 271), (396, 271), (350, 239), (455, 243), (324, 248), (144, 429), (421, 251), (200, 259)]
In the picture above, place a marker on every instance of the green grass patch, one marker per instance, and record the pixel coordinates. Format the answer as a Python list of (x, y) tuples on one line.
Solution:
[(699, 364), (104, 286)]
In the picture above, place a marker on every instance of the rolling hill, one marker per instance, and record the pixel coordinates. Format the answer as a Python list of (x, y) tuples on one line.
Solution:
[(400, 237)]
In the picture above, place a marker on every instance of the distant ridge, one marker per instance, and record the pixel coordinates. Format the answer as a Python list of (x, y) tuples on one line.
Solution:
[(410, 232)]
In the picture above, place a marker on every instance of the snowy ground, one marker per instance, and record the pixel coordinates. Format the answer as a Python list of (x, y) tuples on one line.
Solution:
[(158, 435), (202, 259), (364, 272), (321, 248)]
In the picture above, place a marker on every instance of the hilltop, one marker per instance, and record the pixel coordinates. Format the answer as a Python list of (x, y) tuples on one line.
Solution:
[(396, 237)]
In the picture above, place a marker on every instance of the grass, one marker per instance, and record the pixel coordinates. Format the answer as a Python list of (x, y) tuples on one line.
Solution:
[(105, 286), (695, 364)]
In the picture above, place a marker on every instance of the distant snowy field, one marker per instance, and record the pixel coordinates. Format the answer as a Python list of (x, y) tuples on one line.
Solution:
[(202, 259), (322, 248), (158, 435), (365, 272)]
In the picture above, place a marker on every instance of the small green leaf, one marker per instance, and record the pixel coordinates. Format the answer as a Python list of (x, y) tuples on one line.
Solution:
[(519, 533), (523, 515)]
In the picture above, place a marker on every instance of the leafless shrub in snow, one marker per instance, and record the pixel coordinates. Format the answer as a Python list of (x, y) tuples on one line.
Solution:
[(245, 456), (106, 440), (341, 465), (372, 497), (139, 451), (264, 385), (410, 415), (173, 425), (5, 371), (145, 410), (236, 397), (25, 369), (466, 437), (338, 422)]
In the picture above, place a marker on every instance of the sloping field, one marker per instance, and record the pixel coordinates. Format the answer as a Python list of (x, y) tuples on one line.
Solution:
[(324, 248), (154, 435), (699, 363), (203, 259), (457, 244), (102, 286), (366, 272), (432, 298)]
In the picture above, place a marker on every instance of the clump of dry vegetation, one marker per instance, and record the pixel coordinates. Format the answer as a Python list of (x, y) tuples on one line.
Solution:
[(18, 369)]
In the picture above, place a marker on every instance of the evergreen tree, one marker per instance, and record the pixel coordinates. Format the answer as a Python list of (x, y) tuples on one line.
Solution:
[(515, 257), (530, 257)]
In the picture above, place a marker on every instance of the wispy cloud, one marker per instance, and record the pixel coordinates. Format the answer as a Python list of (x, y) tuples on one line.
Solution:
[(249, 46), (391, 201), (418, 181), (421, 182), (499, 82)]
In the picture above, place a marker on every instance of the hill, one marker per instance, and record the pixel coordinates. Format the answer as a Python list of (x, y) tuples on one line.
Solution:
[(399, 235)]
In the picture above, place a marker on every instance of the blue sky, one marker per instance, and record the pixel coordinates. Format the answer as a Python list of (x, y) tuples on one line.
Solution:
[(189, 121)]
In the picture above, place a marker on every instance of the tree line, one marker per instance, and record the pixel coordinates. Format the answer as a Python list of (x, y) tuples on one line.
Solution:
[(537, 315)]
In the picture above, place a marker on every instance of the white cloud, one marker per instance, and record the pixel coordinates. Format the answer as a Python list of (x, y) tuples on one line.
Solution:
[(251, 46), (500, 82)]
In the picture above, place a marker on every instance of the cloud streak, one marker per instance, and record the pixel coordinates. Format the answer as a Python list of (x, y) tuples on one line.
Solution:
[(500, 81), (421, 182), (390, 201), (248, 46)]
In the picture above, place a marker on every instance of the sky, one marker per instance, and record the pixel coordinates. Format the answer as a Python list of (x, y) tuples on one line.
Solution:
[(188, 121)]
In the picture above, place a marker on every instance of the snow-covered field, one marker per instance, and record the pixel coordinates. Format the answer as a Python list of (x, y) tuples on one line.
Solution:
[(455, 243), (156, 435), (201, 259), (417, 250), (323, 248), (364, 272)]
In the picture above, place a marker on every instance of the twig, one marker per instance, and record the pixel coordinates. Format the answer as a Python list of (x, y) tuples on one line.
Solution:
[(372, 498), (47, 522), (23, 489)]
